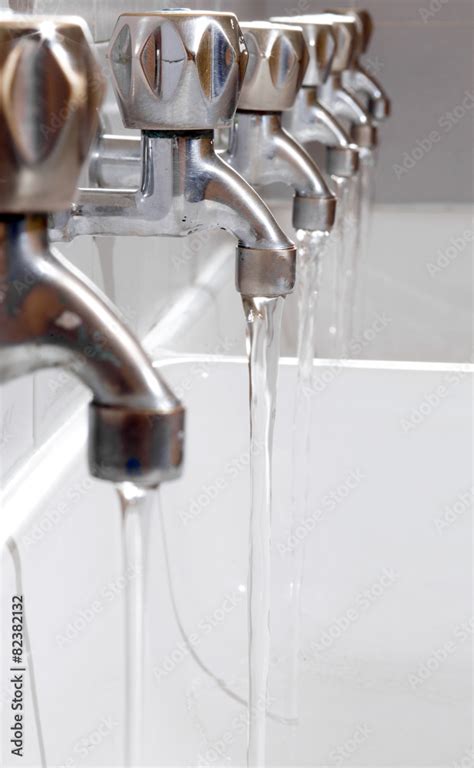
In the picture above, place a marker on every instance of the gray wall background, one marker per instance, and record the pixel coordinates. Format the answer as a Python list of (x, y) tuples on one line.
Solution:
[(423, 53)]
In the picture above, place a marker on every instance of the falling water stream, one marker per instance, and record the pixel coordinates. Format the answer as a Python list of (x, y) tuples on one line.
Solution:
[(336, 253), (311, 252), (366, 194), (344, 245), (263, 347), (136, 506)]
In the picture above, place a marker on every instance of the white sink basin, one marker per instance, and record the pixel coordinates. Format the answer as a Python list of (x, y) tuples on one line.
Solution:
[(386, 641)]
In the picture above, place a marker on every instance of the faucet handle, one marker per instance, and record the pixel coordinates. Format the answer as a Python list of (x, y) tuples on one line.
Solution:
[(347, 32), (52, 87), (365, 26), (321, 44), (177, 70), (278, 60)]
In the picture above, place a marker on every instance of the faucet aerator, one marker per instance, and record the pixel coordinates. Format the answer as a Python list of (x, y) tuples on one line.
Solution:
[(364, 135), (342, 161), (266, 273), (140, 446)]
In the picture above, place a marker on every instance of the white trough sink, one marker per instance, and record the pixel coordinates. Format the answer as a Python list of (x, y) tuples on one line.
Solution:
[(386, 642)]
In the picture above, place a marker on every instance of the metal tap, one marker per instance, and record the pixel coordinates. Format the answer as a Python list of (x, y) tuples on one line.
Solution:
[(357, 78), (177, 76), (334, 95), (50, 314), (309, 120), (331, 92), (260, 148)]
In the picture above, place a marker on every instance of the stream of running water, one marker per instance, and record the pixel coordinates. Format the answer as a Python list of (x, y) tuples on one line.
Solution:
[(263, 346), (137, 506)]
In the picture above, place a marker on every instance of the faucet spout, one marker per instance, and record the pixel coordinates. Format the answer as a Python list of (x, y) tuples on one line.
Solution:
[(311, 121), (186, 187), (359, 80), (345, 105), (51, 316), (265, 153), (266, 258)]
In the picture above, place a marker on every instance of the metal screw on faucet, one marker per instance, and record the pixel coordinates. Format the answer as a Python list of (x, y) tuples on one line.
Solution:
[(52, 86), (177, 70)]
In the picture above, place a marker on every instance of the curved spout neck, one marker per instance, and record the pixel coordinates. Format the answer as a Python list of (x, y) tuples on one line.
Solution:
[(265, 153), (50, 316)]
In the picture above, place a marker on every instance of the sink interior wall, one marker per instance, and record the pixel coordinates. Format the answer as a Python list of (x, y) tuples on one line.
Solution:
[(383, 580)]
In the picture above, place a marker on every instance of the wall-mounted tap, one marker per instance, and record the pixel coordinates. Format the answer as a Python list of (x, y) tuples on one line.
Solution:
[(331, 92), (259, 147), (51, 315), (309, 120), (357, 78), (177, 76)]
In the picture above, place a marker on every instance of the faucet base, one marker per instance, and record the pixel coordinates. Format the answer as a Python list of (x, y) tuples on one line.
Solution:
[(133, 445)]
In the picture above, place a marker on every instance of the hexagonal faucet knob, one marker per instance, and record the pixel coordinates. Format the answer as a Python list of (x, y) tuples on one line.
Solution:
[(365, 26), (320, 42), (346, 30), (278, 60), (52, 87), (177, 70), (343, 31)]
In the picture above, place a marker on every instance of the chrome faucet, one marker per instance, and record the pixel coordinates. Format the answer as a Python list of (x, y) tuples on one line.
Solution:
[(334, 95), (51, 315), (259, 147), (177, 76), (331, 92), (357, 78), (310, 121)]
